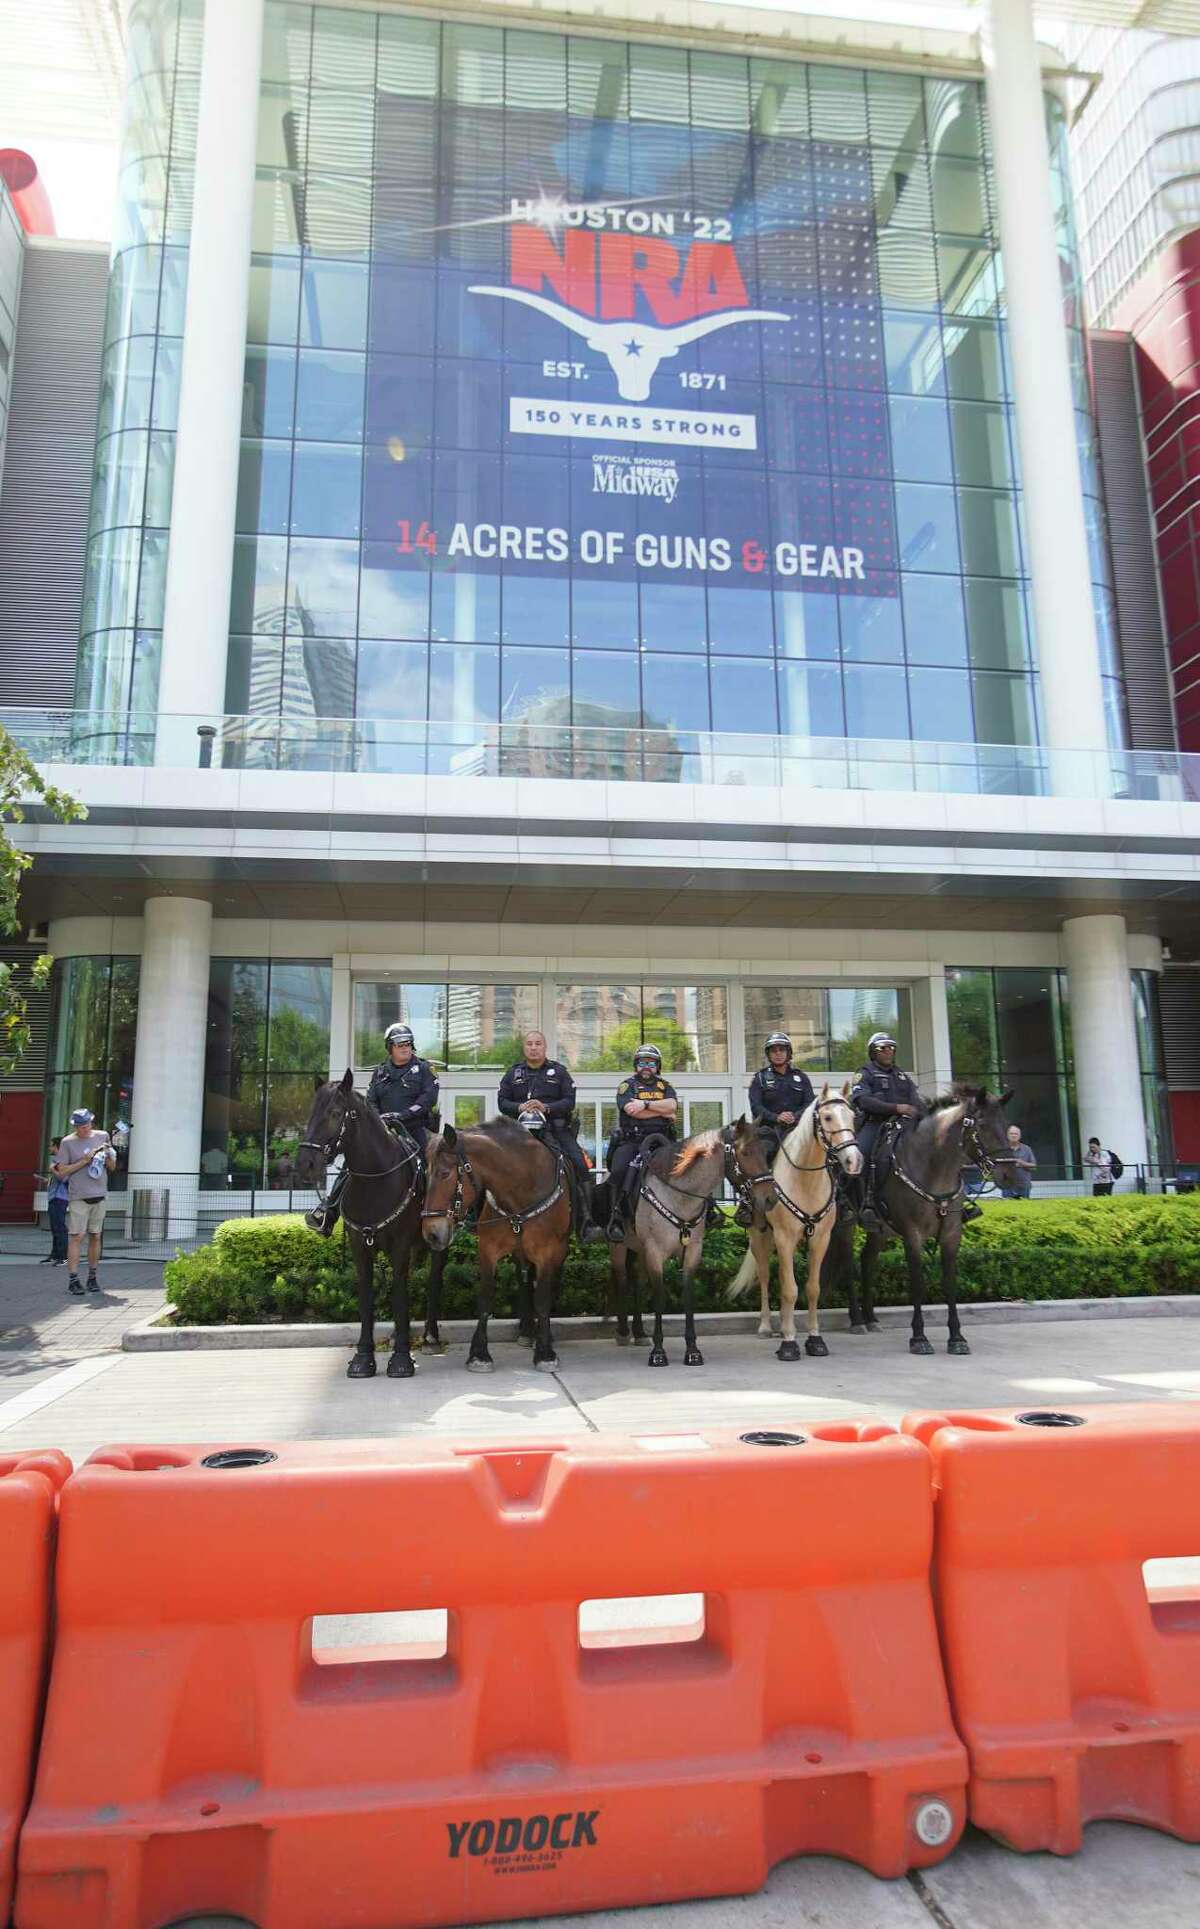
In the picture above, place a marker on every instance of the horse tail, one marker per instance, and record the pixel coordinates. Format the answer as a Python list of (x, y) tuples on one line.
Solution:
[(747, 1276)]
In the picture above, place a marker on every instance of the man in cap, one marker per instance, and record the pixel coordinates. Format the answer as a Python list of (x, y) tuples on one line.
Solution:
[(403, 1090), (646, 1104), (84, 1159)]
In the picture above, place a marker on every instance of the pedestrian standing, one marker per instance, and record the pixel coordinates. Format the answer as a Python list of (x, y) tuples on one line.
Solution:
[(85, 1159), (56, 1212), (1018, 1168), (1102, 1172)]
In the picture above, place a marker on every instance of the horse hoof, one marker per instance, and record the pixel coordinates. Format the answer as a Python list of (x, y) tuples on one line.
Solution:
[(361, 1367), (860, 1328), (873, 1326), (401, 1366), (547, 1365), (788, 1350), (477, 1365), (623, 1339), (525, 1339), (816, 1348), (657, 1357), (958, 1347), (436, 1347), (765, 1333), (693, 1357), (919, 1346)]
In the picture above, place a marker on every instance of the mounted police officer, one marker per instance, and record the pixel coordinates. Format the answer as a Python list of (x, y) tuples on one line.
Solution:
[(646, 1104), (404, 1091), (880, 1092), (540, 1092), (778, 1093)]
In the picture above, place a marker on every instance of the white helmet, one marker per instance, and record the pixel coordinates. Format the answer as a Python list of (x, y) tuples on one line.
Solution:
[(397, 1035)]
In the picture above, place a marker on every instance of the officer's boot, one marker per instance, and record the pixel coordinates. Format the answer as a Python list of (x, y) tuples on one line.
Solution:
[(862, 1203), (324, 1216), (971, 1209), (587, 1232)]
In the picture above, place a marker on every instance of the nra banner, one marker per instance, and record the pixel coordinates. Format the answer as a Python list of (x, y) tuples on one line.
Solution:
[(625, 350)]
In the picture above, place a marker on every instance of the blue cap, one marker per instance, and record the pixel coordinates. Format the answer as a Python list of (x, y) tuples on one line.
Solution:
[(81, 1116)]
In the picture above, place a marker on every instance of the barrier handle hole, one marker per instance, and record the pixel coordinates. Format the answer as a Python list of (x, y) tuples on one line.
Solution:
[(239, 1457), (1043, 1418), (769, 1439)]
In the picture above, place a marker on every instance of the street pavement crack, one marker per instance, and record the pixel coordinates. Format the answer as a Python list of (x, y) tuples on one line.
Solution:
[(590, 1424), (921, 1888)]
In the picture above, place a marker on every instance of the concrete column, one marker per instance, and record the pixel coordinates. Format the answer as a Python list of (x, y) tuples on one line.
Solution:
[(168, 1065), (1067, 650), (1108, 1081), (341, 1021), (931, 1032), (191, 682)]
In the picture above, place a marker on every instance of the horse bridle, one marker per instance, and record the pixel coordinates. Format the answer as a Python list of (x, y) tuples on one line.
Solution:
[(811, 1220), (742, 1186), (456, 1212), (972, 1144), (329, 1149)]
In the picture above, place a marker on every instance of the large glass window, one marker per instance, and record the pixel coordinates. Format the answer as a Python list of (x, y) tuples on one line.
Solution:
[(93, 1026), (600, 1027), (453, 1024), (828, 1026), (1008, 1028), (266, 1050)]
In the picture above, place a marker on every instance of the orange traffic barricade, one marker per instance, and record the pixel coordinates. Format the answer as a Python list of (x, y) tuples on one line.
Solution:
[(209, 1747), (1074, 1674), (29, 1488)]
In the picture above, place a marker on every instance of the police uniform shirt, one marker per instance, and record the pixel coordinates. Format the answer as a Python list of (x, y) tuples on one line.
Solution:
[(882, 1090), (772, 1092), (631, 1088), (411, 1090), (550, 1082)]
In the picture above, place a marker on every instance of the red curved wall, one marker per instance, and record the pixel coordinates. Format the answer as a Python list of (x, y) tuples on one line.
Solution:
[(19, 173)]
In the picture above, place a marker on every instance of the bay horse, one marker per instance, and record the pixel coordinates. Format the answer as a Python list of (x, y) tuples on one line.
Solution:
[(381, 1211), (520, 1186), (804, 1211), (922, 1199), (669, 1221)]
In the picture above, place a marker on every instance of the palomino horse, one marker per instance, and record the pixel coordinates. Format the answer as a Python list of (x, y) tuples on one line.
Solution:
[(669, 1221), (380, 1211), (520, 1186), (922, 1199), (805, 1209)]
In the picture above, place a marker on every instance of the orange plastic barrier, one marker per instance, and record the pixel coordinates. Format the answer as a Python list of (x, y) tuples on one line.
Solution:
[(1075, 1687), (29, 1486), (198, 1756)]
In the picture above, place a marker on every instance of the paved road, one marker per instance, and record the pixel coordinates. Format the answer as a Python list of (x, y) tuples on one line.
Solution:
[(63, 1382)]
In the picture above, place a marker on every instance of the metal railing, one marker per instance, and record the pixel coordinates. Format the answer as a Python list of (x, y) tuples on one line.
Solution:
[(402, 747)]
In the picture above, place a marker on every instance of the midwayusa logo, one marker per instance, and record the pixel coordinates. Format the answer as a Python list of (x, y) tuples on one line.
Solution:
[(600, 277), (622, 475)]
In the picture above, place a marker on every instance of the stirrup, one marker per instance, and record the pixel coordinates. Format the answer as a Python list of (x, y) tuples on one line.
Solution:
[(869, 1219), (971, 1209), (322, 1219)]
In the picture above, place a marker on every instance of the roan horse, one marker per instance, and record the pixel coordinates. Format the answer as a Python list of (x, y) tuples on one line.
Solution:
[(922, 1199), (804, 1210), (380, 1210), (520, 1186), (669, 1222)]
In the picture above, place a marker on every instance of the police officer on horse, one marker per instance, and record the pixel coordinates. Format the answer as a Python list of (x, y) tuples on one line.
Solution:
[(882, 1092), (646, 1106), (540, 1092), (778, 1093), (404, 1091)]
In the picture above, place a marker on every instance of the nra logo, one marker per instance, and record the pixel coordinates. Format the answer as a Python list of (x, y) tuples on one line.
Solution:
[(596, 285)]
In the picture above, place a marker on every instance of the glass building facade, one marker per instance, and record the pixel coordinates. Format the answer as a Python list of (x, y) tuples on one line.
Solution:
[(459, 499)]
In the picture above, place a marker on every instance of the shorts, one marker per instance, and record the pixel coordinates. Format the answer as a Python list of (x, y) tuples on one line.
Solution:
[(85, 1215)]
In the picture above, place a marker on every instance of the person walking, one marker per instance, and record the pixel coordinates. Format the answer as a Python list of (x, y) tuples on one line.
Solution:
[(85, 1159), (56, 1212), (1102, 1172), (1020, 1167)]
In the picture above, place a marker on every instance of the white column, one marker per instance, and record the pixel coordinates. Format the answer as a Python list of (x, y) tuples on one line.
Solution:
[(168, 1064), (1067, 649), (931, 1032), (341, 1020), (191, 682), (1108, 1083)]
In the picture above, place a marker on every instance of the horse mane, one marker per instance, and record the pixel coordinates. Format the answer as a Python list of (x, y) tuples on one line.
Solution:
[(958, 1094), (697, 1147)]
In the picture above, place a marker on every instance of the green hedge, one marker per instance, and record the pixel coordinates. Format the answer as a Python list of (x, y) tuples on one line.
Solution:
[(276, 1269)]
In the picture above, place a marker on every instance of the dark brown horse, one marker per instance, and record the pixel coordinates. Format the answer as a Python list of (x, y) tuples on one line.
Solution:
[(922, 1199), (381, 1211), (520, 1187)]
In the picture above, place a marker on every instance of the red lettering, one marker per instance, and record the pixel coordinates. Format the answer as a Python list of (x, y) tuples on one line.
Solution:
[(629, 262), (712, 279), (570, 275)]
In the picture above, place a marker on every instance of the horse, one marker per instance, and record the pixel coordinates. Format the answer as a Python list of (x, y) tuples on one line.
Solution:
[(805, 1209), (660, 1232), (525, 1205), (380, 1209), (921, 1199)]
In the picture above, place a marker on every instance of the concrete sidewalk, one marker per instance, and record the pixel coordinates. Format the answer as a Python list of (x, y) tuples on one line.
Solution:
[(44, 1329)]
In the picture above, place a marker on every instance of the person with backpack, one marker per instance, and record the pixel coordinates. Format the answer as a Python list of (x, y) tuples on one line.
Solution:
[(1106, 1167)]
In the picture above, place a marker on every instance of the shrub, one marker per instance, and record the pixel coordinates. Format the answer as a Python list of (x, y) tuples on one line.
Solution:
[(260, 1270)]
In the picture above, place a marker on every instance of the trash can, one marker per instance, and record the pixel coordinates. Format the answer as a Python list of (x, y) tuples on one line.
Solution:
[(149, 1214)]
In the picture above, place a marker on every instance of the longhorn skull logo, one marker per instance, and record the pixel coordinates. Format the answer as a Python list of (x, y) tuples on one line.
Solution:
[(633, 350)]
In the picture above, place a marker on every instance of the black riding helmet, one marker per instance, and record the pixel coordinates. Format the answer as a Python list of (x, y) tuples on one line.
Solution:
[(876, 1041), (778, 1038), (397, 1035), (647, 1056)]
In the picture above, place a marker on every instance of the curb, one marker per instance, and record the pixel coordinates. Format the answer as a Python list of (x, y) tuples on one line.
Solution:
[(147, 1336)]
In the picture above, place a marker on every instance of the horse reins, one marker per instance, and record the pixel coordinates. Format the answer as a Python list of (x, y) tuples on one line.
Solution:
[(459, 1206), (811, 1220), (329, 1149)]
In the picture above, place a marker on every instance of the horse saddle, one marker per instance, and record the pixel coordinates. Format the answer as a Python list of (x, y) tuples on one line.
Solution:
[(634, 1177)]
